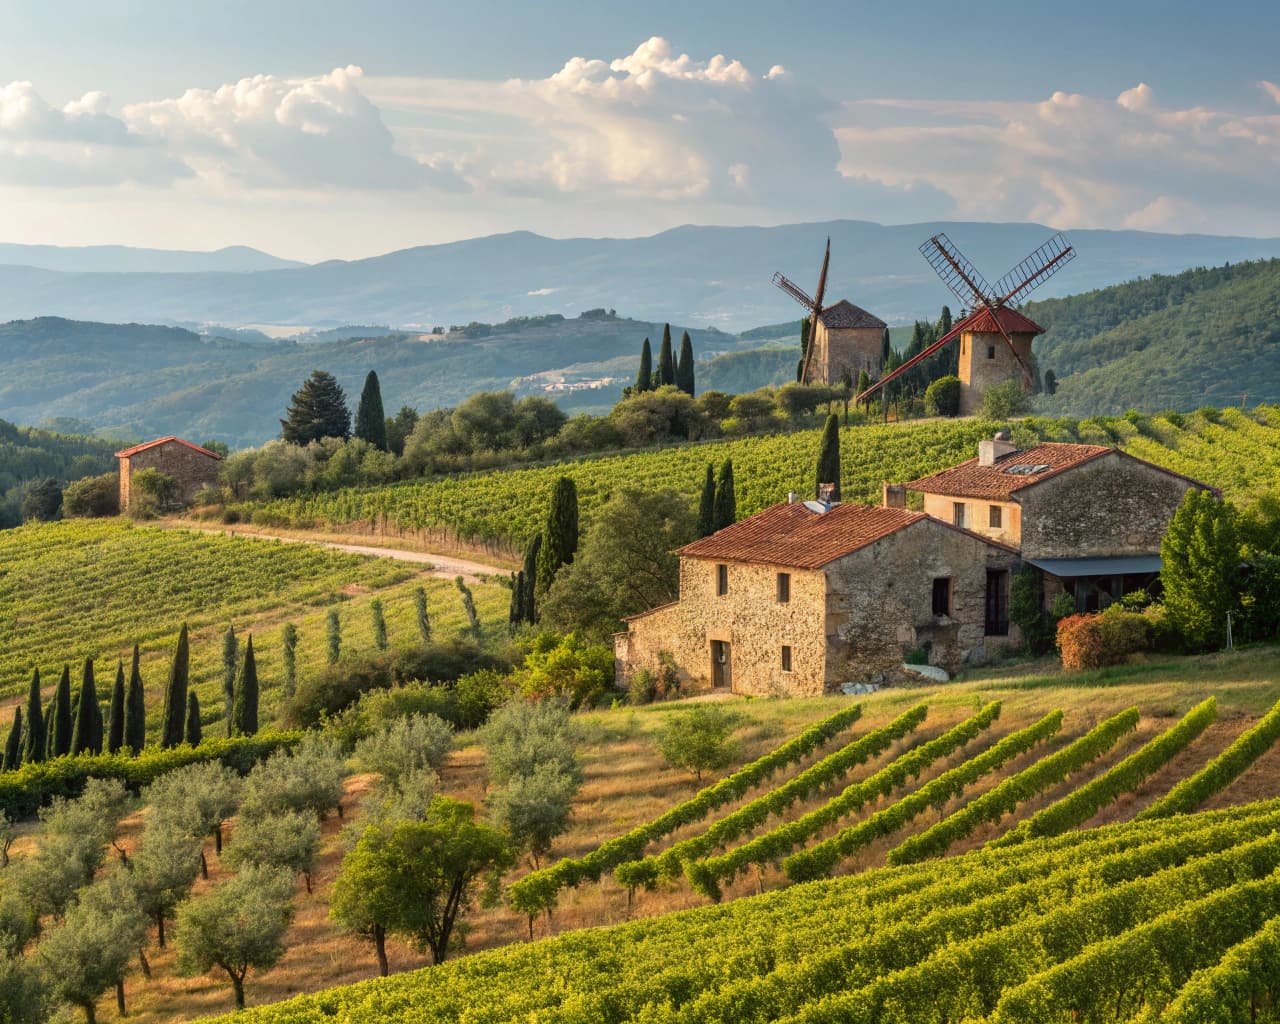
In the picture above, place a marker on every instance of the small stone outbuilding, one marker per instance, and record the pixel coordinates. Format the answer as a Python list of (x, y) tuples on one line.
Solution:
[(847, 339), (189, 464)]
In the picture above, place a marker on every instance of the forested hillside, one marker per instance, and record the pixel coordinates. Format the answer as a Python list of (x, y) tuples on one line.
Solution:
[(1203, 337), (27, 455)]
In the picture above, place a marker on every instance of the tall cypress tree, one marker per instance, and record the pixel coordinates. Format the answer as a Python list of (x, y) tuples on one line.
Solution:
[(529, 595), (944, 321), (82, 729), (420, 613), (318, 409), (230, 657), (560, 536), (886, 349), (515, 614), (13, 745), (666, 364), (191, 729), (726, 505), (333, 635), (62, 726), (684, 368), (829, 457), (246, 712), (115, 717), (33, 742), (289, 656), (379, 621), (644, 375), (371, 421), (135, 709), (707, 504), (50, 710), (175, 693)]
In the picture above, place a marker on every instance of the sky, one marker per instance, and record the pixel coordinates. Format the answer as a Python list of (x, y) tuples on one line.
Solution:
[(323, 130)]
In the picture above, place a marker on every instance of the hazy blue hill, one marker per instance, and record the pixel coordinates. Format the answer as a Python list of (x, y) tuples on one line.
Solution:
[(693, 275), (128, 259)]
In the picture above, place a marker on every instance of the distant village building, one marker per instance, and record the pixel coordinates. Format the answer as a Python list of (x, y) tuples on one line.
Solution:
[(804, 597), (847, 339), (189, 464)]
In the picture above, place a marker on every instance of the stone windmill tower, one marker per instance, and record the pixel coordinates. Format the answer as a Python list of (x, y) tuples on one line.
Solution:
[(995, 339)]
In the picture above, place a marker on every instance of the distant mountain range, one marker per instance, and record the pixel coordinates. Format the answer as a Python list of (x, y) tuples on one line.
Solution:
[(712, 276)]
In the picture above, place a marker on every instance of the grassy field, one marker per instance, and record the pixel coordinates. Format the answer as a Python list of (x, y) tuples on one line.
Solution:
[(80, 589), (627, 784)]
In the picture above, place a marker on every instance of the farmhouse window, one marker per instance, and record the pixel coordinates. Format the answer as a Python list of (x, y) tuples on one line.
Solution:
[(942, 595), (957, 513), (991, 351), (995, 517), (784, 587), (722, 580), (786, 658)]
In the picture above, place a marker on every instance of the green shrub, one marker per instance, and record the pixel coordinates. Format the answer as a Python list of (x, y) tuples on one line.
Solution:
[(1026, 609), (942, 397), (1093, 641), (566, 667), (1005, 400)]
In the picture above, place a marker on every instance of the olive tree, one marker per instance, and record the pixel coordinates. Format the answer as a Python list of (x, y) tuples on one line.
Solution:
[(534, 808), (308, 778), (289, 840), (164, 871), (195, 801), (405, 745), (698, 740), (522, 735)]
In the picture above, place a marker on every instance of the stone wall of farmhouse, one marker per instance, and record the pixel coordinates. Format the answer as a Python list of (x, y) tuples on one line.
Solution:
[(1110, 506), (880, 602), (190, 468)]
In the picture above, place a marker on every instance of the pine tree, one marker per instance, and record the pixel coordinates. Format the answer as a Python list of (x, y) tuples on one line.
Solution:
[(529, 595), (289, 656), (62, 725), (379, 624), (707, 504), (644, 375), (829, 457), (191, 731), (135, 708), (684, 368), (420, 613), (371, 421), (33, 743), (560, 535), (246, 711), (333, 635), (83, 728), (13, 745), (317, 409), (726, 505), (175, 693), (230, 656), (115, 724), (666, 364)]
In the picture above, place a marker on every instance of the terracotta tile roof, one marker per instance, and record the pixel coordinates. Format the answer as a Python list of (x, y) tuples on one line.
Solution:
[(983, 321), (844, 314), (165, 440), (795, 536), (969, 480)]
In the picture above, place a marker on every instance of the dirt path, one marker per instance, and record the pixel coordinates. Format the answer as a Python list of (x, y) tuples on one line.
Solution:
[(444, 566)]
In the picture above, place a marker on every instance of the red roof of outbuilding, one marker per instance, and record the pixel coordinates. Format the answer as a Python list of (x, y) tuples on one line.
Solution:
[(983, 321), (165, 440), (970, 480)]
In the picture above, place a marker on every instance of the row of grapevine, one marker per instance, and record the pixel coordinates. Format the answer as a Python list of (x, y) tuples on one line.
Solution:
[(537, 891), (707, 875), (1082, 804), (1004, 798)]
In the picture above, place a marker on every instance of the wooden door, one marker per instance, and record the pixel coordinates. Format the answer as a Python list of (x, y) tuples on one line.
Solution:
[(721, 665)]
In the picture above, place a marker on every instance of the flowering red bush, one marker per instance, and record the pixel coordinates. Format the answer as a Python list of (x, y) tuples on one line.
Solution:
[(1092, 641)]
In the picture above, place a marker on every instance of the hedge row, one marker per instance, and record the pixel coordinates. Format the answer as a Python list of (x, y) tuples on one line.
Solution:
[(1224, 769), (1004, 798), (26, 790), (706, 875), (536, 892), (1085, 802), (818, 860), (669, 863)]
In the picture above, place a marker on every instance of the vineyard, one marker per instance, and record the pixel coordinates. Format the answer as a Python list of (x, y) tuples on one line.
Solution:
[(1231, 449), (80, 589)]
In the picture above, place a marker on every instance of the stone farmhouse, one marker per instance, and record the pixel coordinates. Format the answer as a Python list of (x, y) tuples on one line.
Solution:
[(804, 597), (846, 339), (189, 464)]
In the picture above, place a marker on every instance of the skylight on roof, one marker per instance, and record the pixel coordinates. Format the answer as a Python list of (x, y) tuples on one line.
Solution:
[(1022, 469)]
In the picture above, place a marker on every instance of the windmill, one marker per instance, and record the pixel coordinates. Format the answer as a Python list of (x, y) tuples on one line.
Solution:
[(814, 306), (989, 309)]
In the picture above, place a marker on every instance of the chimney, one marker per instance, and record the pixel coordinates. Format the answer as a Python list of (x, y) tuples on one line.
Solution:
[(990, 452), (895, 495), (825, 492), (791, 497)]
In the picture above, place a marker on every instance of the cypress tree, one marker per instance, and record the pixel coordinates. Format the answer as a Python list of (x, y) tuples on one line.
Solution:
[(82, 729), (804, 348), (246, 713), (62, 726), (684, 368), (726, 504), (560, 536), (333, 634), (944, 321), (317, 409), (13, 745), (886, 349), (371, 421), (191, 730), (529, 595), (115, 718), (666, 364), (33, 743), (289, 655), (707, 504), (98, 738), (230, 655), (175, 693), (829, 457), (50, 710), (644, 375), (135, 709), (420, 613), (379, 624), (515, 615)]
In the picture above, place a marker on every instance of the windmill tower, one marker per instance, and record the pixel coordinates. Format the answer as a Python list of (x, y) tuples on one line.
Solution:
[(995, 339), (843, 338)]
